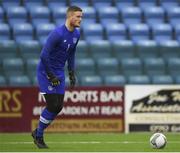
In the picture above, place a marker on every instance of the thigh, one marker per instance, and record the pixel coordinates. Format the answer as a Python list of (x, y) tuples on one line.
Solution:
[(54, 102)]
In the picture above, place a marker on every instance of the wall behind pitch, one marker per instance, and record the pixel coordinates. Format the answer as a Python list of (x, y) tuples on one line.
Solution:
[(91, 109)]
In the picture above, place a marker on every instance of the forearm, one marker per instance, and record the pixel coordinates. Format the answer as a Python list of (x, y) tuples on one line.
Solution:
[(45, 60)]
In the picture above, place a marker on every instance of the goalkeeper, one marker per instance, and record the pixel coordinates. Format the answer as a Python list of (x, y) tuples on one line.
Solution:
[(59, 48)]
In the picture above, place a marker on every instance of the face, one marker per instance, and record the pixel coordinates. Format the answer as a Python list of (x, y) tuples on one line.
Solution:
[(76, 18)]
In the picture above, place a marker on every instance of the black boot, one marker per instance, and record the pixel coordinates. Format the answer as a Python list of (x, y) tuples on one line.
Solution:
[(39, 141)]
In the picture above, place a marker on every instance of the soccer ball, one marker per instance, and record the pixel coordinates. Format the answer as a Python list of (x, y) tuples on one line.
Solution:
[(158, 141)]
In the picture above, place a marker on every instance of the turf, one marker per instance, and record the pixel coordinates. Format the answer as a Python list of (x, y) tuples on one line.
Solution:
[(87, 142)]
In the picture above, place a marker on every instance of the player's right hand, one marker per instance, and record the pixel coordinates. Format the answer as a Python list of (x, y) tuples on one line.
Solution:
[(53, 79)]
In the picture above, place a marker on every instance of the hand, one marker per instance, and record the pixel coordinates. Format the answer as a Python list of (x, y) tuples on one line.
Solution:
[(72, 78), (53, 79)]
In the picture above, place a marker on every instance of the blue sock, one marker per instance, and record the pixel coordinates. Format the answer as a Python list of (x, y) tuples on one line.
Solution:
[(45, 119)]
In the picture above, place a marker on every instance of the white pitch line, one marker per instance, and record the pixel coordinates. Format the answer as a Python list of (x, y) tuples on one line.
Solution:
[(85, 142), (91, 152)]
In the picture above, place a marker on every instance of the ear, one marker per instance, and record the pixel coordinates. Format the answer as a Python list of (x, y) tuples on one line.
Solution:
[(70, 14)]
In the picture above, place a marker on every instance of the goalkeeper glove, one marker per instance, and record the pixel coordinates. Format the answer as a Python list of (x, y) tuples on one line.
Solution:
[(72, 78), (53, 79)]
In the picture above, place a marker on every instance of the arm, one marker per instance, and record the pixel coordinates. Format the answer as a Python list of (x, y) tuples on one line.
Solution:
[(51, 43), (71, 59), (71, 67)]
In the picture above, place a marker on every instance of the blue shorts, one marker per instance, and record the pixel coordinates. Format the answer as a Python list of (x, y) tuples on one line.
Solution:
[(45, 85)]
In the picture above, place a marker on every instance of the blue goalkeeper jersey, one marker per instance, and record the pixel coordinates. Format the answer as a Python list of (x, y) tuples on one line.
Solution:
[(59, 48)]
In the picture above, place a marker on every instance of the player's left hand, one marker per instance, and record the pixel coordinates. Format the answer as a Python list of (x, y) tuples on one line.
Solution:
[(72, 78)]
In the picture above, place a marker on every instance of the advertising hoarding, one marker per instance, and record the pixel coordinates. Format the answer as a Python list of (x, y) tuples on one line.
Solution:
[(90, 109), (152, 108)]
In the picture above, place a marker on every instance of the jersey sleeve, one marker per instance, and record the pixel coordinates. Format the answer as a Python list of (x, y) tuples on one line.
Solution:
[(71, 59), (51, 43)]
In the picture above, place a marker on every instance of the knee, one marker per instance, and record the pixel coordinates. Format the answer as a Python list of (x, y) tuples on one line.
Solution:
[(55, 107), (55, 104), (58, 107)]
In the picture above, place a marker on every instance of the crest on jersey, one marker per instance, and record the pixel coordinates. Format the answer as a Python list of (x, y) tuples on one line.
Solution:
[(50, 88), (74, 40)]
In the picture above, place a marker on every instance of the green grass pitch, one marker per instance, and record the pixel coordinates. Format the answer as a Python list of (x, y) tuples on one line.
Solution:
[(87, 142)]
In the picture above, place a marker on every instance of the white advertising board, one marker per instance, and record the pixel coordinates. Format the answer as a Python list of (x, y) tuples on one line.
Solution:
[(152, 108)]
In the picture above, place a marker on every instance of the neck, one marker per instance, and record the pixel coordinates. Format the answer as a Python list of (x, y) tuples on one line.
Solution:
[(68, 26)]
